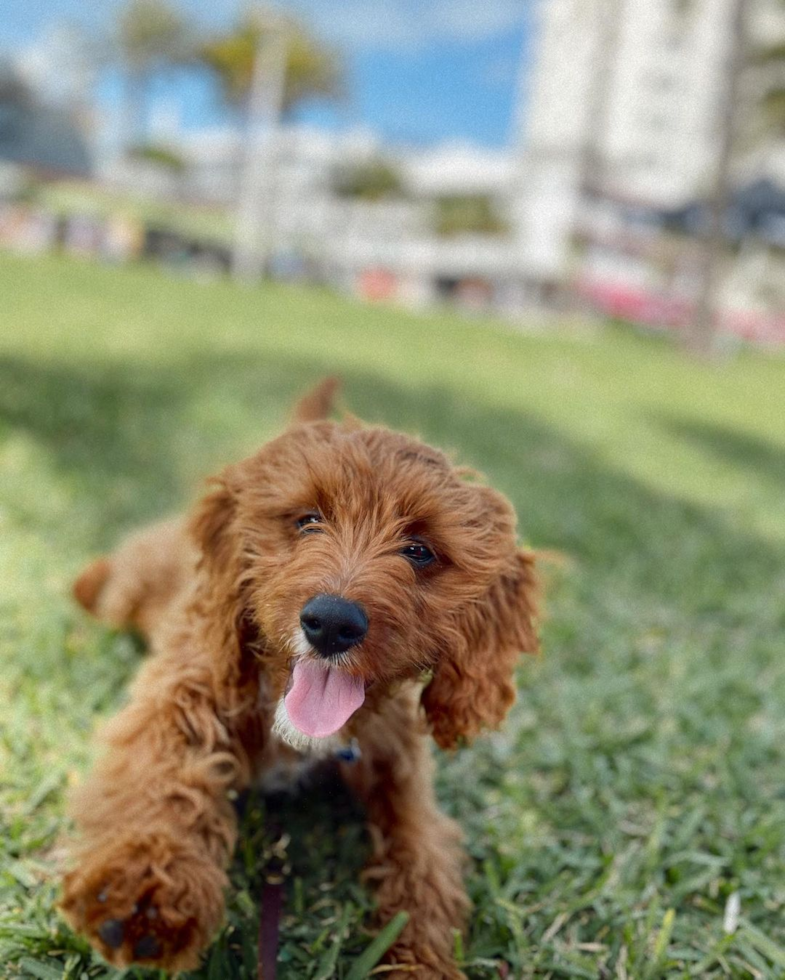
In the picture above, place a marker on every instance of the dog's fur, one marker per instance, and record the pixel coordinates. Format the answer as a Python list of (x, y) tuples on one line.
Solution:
[(218, 596)]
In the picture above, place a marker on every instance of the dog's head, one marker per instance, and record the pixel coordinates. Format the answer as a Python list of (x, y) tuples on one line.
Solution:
[(353, 558)]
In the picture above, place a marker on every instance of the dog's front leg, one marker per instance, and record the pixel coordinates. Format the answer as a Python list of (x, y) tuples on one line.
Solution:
[(417, 861), (156, 825)]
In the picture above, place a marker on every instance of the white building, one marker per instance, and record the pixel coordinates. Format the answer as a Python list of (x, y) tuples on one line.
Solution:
[(624, 98), (349, 239)]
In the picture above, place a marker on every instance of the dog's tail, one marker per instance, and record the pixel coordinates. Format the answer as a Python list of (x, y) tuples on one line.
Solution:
[(317, 403), (90, 584)]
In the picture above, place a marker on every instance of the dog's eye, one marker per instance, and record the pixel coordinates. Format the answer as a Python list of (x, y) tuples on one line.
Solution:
[(310, 523), (418, 554)]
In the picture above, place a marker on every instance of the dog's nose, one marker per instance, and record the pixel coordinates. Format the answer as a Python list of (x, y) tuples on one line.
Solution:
[(332, 624)]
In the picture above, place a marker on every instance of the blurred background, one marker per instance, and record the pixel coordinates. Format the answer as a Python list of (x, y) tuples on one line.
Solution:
[(504, 224), (618, 157)]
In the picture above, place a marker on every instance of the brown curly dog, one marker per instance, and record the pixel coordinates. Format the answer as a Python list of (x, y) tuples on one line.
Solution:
[(299, 610)]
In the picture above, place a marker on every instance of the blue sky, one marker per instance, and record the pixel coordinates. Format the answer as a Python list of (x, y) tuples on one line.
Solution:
[(419, 71)]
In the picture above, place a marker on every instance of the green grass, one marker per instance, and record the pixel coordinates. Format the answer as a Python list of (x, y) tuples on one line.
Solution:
[(640, 780)]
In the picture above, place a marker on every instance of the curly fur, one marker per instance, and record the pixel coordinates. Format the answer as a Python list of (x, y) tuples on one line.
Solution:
[(218, 596)]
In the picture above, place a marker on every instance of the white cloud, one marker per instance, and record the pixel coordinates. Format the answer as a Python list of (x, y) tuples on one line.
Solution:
[(356, 24), (470, 20), (409, 24)]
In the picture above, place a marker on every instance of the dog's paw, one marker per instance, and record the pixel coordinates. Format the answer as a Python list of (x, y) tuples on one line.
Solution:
[(146, 899)]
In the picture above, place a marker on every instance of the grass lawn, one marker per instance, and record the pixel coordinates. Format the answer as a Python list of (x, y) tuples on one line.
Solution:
[(640, 781)]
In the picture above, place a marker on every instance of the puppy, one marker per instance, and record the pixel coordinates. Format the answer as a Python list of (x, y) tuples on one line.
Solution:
[(344, 585)]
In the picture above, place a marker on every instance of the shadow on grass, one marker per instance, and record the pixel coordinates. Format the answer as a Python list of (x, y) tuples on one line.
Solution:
[(135, 440), (764, 460)]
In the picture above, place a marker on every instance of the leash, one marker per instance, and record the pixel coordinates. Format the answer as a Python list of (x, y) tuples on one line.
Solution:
[(277, 868)]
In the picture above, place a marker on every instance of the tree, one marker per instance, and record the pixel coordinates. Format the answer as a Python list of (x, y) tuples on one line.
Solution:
[(160, 156), (767, 60), (700, 337), (311, 69), (768, 63), (152, 35), (373, 180), (471, 214)]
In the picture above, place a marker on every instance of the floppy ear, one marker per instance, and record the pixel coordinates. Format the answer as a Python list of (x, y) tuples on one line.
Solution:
[(220, 602), (473, 686)]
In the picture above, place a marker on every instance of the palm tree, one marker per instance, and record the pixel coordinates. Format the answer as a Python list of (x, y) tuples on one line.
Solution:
[(265, 66), (151, 35), (311, 68)]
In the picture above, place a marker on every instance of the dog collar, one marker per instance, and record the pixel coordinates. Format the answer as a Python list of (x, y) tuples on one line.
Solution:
[(349, 753)]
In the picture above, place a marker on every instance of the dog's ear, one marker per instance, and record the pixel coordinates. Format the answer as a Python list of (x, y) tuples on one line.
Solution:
[(473, 685), (219, 596), (317, 403)]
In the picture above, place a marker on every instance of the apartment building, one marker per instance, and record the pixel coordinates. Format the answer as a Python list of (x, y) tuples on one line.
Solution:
[(623, 99)]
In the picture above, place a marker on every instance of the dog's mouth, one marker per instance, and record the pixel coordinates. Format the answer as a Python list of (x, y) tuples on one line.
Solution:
[(320, 699)]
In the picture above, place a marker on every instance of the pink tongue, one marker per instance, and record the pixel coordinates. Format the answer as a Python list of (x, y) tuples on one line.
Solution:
[(322, 699)]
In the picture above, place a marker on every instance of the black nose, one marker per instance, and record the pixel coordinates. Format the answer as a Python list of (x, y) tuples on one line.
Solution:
[(332, 624)]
